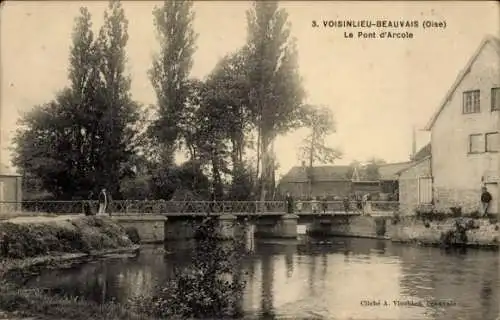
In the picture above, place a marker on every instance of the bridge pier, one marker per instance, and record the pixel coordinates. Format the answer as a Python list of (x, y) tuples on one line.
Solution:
[(226, 227), (151, 229), (181, 228), (271, 227), (349, 226)]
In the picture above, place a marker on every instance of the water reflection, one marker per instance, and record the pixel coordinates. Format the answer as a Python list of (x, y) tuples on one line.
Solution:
[(314, 279)]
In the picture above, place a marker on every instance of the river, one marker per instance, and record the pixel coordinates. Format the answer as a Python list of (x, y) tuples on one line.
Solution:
[(339, 278)]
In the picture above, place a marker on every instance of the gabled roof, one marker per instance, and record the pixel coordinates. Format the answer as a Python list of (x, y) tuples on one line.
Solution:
[(320, 173), (487, 40), (341, 173), (389, 171), (413, 164), (423, 153)]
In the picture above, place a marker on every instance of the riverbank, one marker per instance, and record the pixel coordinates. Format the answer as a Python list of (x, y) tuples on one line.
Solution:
[(431, 230), (445, 231), (31, 243)]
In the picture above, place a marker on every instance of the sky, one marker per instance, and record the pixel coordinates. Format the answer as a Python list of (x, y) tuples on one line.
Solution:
[(378, 89)]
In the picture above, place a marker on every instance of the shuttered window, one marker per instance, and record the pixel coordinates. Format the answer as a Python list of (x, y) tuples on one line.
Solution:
[(476, 143), (495, 99), (424, 190), (492, 142)]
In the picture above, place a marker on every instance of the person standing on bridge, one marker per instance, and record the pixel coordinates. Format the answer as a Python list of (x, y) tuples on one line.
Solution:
[(299, 206), (289, 203), (103, 202), (346, 204), (314, 204), (87, 206)]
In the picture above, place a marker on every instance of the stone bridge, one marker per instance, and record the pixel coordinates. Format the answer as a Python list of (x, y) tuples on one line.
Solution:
[(159, 220)]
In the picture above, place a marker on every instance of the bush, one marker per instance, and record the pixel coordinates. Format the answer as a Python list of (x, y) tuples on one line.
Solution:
[(35, 302), (458, 236), (456, 211), (201, 290), (81, 235), (133, 235), (431, 215)]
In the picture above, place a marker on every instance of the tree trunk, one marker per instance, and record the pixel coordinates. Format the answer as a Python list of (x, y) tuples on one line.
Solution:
[(266, 167), (258, 181), (217, 181), (311, 159)]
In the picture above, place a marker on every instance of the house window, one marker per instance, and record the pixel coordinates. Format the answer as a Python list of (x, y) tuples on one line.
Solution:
[(424, 190), (495, 99), (476, 143), (471, 102), (492, 142)]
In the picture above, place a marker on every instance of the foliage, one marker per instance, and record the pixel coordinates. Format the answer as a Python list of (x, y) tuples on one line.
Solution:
[(276, 93), (430, 214), (208, 288), (371, 169), (188, 176), (121, 113), (456, 211), (138, 187), (92, 134), (170, 71), (321, 124), (456, 236), (79, 235), (66, 143), (133, 235), (36, 302)]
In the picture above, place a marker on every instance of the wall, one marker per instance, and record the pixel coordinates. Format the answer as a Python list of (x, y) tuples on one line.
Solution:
[(296, 189), (11, 188), (411, 229), (331, 188), (408, 186), (151, 229), (407, 229), (349, 226), (457, 174)]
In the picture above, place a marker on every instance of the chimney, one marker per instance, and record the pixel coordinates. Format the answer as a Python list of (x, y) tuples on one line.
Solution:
[(413, 143)]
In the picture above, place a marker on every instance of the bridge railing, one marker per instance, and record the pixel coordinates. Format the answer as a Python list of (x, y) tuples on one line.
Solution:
[(131, 207), (385, 206), (55, 207)]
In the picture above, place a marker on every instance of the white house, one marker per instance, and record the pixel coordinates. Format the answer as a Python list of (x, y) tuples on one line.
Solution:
[(465, 134)]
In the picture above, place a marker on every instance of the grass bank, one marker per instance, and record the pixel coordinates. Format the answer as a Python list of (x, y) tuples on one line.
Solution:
[(28, 246)]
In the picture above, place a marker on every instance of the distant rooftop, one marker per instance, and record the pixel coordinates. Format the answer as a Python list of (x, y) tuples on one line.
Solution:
[(389, 171), (320, 173)]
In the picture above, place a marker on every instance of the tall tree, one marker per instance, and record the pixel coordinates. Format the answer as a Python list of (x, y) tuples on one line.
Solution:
[(314, 148), (82, 139), (120, 111), (277, 92), (53, 142), (230, 90), (170, 71)]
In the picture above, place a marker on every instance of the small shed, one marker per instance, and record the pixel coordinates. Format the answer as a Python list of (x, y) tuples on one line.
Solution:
[(10, 188), (415, 186)]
